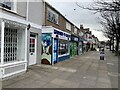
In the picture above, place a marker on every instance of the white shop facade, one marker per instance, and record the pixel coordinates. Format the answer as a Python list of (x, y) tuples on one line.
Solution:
[(18, 45)]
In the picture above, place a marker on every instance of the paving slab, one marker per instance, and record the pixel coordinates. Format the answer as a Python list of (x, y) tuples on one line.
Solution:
[(102, 85), (84, 71), (51, 85), (70, 84)]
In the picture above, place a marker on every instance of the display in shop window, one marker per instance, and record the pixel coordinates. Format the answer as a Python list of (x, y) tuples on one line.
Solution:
[(63, 47)]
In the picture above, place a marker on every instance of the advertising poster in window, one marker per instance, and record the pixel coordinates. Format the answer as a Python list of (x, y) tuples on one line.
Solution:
[(55, 55), (46, 48), (73, 49)]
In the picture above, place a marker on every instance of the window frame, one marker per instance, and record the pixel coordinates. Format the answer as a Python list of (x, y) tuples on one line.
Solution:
[(75, 30), (52, 16), (66, 49), (68, 26), (13, 7)]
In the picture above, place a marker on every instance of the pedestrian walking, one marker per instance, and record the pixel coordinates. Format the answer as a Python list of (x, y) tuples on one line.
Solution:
[(102, 54)]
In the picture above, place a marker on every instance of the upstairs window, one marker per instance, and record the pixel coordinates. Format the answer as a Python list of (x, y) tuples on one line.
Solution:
[(81, 34), (68, 26), (8, 4), (52, 16), (75, 30)]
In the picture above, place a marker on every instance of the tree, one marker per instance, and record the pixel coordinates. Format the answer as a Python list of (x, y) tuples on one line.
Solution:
[(110, 17), (110, 26), (103, 5)]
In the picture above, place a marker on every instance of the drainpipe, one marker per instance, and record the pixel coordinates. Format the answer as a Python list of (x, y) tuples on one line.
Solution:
[(2, 42), (43, 12), (26, 37), (27, 10)]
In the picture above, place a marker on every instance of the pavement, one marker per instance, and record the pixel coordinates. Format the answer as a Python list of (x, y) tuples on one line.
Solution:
[(83, 71)]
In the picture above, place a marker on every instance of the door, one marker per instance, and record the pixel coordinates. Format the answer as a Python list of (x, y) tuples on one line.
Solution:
[(32, 49)]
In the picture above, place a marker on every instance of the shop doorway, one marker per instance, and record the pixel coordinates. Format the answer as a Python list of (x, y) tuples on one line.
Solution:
[(33, 49), (55, 57)]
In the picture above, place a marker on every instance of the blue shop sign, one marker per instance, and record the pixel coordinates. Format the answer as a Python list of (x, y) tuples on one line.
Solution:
[(61, 33), (74, 38)]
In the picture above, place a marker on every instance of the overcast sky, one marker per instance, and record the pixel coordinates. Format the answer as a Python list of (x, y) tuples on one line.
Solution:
[(78, 16)]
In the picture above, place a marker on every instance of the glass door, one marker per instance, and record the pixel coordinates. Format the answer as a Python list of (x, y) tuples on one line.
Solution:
[(55, 51)]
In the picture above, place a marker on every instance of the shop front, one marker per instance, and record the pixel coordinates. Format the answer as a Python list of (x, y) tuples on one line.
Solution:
[(74, 46), (55, 45), (13, 44)]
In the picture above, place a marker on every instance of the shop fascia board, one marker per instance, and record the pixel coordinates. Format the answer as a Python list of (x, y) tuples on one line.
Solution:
[(18, 20), (50, 29)]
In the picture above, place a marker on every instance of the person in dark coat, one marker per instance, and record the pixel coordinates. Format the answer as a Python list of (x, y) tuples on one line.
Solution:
[(102, 55)]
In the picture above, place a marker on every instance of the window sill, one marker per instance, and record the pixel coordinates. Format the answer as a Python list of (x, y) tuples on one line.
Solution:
[(68, 30), (63, 55), (11, 11), (8, 10), (53, 22), (12, 63)]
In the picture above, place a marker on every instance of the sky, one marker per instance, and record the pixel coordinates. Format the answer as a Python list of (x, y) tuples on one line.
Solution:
[(79, 16)]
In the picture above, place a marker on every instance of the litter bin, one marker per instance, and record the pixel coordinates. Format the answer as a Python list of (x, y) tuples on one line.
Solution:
[(102, 55)]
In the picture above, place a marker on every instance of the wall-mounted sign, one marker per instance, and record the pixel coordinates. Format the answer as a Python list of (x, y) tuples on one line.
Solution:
[(62, 35), (74, 38)]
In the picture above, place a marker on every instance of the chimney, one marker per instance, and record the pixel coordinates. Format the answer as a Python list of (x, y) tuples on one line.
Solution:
[(81, 26)]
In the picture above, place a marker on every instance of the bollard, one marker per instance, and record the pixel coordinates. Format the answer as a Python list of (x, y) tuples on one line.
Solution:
[(102, 54)]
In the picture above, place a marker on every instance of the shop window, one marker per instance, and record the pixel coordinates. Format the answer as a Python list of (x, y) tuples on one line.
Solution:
[(14, 45), (10, 45), (63, 47), (52, 16)]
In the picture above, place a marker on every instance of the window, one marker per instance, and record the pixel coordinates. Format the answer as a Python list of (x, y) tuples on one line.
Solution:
[(52, 16), (81, 34), (10, 45), (68, 26), (63, 47), (32, 45), (8, 4), (14, 45), (75, 30)]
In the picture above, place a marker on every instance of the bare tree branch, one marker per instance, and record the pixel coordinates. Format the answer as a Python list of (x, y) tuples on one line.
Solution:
[(110, 17)]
